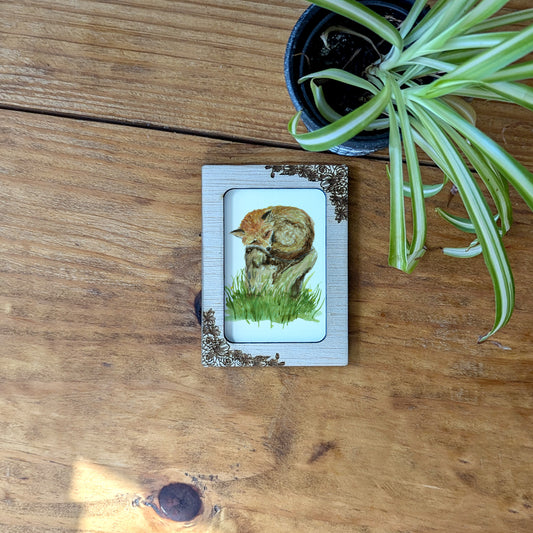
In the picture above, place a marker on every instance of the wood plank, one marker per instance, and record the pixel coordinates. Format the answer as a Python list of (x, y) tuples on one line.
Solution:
[(103, 398), (200, 66), (207, 67)]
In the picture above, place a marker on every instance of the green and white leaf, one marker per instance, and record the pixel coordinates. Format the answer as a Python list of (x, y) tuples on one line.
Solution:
[(412, 16), (479, 213), (473, 250), (344, 128), (497, 186), (476, 40), (517, 17), (462, 107), (363, 15), (440, 17), (515, 72), (516, 93), (517, 175), (463, 224), (416, 249), (486, 63), (433, 40), (322, 106), (397, 232), (428, 190), (337, 74)]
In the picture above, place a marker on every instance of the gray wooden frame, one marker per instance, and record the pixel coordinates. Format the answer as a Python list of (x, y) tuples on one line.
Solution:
[(216, 349)]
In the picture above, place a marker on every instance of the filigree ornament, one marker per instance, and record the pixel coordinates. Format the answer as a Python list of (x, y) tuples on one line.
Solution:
[(332, 178), (217, 352)]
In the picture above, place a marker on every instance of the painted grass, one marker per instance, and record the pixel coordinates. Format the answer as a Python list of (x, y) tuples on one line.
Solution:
[(272, 304)]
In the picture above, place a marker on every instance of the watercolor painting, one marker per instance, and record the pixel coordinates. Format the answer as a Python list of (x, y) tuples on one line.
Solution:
[(272, 285)]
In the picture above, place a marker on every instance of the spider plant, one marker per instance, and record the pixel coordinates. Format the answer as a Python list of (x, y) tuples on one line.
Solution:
[(456, 50)]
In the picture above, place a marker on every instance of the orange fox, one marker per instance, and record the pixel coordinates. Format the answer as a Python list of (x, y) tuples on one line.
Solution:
[(284, 232)]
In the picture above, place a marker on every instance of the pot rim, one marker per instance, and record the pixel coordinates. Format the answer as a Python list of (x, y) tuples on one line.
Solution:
[(361, 144)]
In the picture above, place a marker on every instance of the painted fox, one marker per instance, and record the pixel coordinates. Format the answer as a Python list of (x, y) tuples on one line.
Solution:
[(283, 232)]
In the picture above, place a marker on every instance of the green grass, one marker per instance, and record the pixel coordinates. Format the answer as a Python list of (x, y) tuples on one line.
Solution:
[(271, 304)]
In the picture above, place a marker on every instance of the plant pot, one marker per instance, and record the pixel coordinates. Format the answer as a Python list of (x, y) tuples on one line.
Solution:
[(303, 56)]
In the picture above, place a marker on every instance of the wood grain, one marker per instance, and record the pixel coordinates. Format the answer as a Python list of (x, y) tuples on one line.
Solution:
[(103, 398), (213, 68)]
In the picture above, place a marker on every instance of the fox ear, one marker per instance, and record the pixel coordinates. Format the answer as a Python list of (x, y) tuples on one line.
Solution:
[(266, 214), (238, 232)]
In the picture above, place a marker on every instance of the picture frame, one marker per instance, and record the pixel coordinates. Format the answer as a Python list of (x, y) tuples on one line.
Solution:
[(274, 265)]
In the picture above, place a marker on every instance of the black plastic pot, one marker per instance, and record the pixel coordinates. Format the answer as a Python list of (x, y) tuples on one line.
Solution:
[(302, 43)]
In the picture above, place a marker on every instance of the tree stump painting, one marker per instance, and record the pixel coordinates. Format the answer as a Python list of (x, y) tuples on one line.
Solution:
[(264, 271)]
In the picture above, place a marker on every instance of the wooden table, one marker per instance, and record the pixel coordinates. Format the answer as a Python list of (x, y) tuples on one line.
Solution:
[(108, 110)]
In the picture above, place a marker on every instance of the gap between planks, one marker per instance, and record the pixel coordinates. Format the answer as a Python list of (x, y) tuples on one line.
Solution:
[(170, 129)]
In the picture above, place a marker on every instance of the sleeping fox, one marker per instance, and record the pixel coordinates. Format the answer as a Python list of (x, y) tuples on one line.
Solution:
[(284, 232)]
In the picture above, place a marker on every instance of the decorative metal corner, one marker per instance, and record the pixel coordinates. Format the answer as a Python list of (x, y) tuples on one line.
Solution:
[(332, 178), (216, 350)]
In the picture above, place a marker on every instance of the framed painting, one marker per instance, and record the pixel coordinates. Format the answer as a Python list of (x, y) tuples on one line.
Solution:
[(274, 265)]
